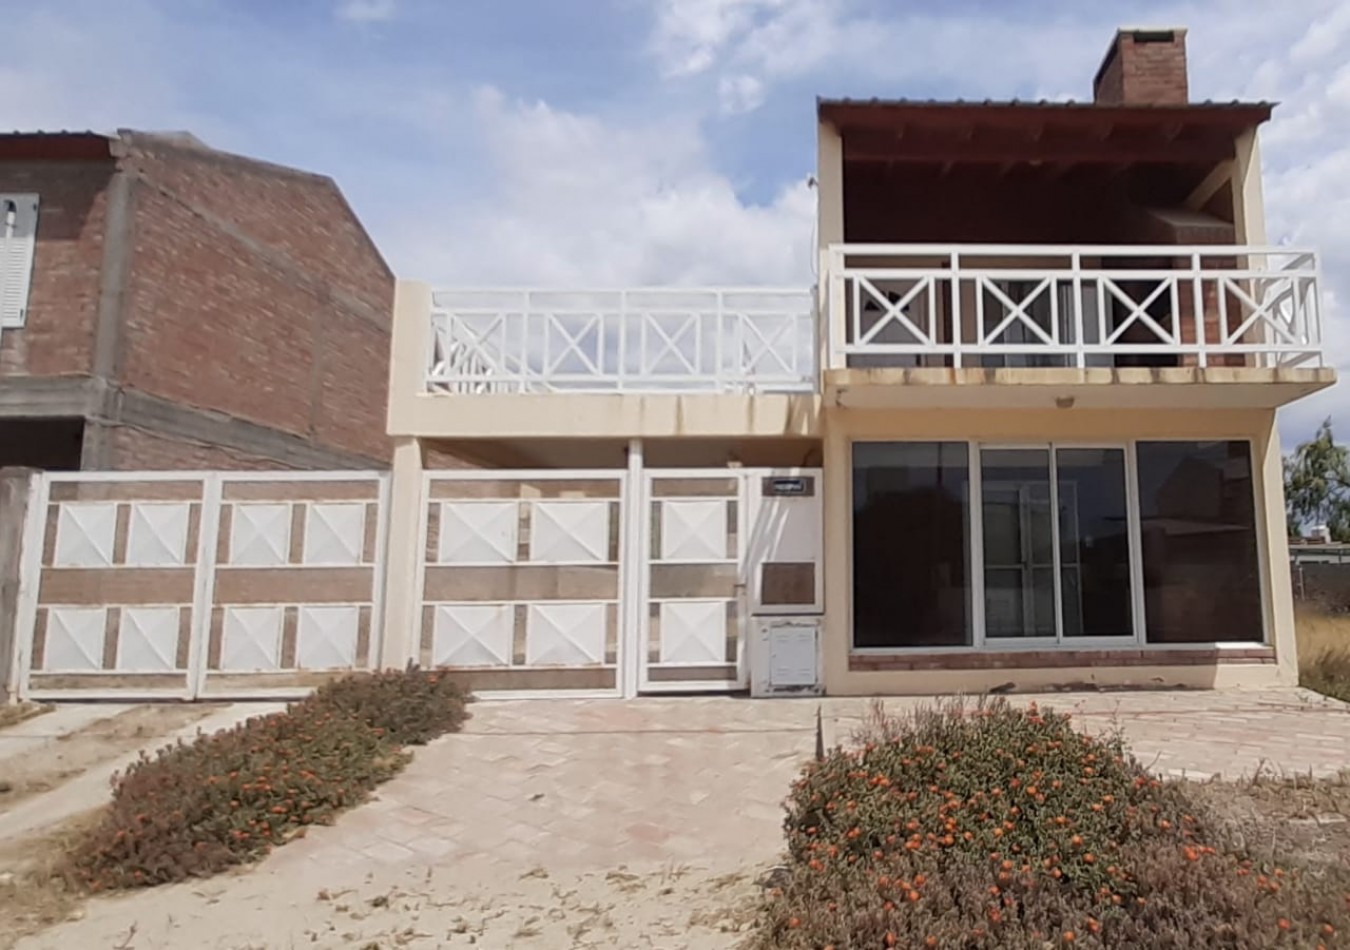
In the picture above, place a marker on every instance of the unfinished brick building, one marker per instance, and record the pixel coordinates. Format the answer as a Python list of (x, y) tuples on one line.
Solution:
[(165, 305)]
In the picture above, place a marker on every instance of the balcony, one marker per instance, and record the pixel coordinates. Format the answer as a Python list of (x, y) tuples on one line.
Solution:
[(664, 340), (1084, 306), (1062, 318), (1030, 326)]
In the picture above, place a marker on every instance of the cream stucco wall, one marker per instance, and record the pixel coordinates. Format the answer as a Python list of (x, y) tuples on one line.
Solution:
[(843, 427)]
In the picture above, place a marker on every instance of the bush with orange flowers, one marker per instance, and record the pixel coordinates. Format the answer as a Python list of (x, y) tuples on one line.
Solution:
[(1001, 827), (195, 808)]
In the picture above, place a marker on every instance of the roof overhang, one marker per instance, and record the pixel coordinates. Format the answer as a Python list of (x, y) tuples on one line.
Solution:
[(905, 131), (56, 147)]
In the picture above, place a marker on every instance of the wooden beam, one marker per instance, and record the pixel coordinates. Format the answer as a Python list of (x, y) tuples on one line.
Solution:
[(1216, 179), (987, 149)]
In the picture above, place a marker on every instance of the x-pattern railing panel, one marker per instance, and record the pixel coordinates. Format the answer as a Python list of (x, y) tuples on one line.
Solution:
[(1071, 305), (712, 340)]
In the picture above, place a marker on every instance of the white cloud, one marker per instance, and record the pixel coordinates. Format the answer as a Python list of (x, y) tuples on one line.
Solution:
[(736, 94), (690, 35), (366, 11), (576, 200)]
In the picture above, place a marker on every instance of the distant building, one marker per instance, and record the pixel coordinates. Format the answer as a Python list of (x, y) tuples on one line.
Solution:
[(166, 305)]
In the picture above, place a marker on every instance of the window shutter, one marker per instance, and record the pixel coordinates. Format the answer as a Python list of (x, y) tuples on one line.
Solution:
[(18, 231)]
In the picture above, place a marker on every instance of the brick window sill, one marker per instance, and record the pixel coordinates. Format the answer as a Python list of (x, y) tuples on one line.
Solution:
[(1056, 659)]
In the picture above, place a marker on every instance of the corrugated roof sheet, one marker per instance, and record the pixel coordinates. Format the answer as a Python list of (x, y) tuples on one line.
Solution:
[(823, 101)]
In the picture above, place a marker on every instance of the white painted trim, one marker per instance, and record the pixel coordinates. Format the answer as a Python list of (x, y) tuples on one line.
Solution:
[(1135, 539), (204, 585), (30, 578), (632, 555)]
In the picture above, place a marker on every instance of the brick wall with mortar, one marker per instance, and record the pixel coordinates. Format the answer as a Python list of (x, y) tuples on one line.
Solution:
[(1144, 67), (142, 449), (225, 310), (58, 338)]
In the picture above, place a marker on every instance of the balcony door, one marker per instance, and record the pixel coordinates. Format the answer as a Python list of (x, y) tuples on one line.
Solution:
[(1056, 552)]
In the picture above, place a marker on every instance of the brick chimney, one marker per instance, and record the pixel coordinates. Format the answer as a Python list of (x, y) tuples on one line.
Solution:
[(1143, 67)]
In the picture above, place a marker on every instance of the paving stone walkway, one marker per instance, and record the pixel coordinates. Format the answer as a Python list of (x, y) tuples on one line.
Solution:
[(576, 790)]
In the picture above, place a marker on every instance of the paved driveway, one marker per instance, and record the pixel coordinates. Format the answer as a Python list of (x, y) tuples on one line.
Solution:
[(608, 823)]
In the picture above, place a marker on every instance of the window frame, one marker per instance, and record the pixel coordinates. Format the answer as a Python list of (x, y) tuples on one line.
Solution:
[(1138, 640), (25, 202)]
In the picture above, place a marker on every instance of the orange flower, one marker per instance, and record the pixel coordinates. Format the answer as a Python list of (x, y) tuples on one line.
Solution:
[(1283, 923)]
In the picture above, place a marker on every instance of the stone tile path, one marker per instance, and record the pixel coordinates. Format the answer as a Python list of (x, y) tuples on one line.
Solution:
[(559, 796)]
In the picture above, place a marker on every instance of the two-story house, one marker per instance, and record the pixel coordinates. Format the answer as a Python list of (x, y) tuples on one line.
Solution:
[(1027, 417), (165, 305)]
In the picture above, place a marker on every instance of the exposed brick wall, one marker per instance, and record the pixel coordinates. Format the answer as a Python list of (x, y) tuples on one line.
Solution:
[(58, 336), (210, 325), (132, 449), (254, 292), (1144, 67), (303, 216), (353, 383)]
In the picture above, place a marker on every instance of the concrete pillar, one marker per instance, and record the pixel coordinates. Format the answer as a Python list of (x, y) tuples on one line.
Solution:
[(836, 479), (16, 484), (829, 227), (409, 355), (1249, 209), (402, 611), (1272, 535)]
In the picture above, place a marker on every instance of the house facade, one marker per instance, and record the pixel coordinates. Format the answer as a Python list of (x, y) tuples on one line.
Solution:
[(1027, 415), (165, 305)]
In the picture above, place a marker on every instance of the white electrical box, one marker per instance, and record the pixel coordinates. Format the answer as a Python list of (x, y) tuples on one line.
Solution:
[(785, 656)]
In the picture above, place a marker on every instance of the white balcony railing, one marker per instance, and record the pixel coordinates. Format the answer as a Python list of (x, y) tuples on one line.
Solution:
[(532, 341), (1076, 306)]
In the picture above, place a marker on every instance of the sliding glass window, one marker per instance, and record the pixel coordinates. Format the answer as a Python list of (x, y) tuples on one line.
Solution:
[(1049, 514), (1197, 506), (911, 544)]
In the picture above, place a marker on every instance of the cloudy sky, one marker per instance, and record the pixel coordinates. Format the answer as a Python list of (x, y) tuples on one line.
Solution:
[(645, 141)]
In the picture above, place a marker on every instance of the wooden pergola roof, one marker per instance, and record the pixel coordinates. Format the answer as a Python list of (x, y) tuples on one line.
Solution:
[(902, 130)]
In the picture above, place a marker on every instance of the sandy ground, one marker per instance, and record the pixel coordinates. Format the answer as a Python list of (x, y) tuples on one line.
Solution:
[(672, 907), (74, 753)]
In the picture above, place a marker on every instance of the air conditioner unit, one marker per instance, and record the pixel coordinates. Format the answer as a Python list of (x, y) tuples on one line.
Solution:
[(785, 656)]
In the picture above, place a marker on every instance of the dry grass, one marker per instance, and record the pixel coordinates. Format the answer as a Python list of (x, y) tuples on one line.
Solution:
[(73, 754), (1324, 650), (17, 713), (34, 890)]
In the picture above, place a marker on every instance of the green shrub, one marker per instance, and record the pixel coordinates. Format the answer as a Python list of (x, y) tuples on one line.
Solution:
[(195, 808), (997, 827), (410, 708)]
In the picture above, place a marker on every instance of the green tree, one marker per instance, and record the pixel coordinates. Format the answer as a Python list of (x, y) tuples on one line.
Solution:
[(1317, 485)]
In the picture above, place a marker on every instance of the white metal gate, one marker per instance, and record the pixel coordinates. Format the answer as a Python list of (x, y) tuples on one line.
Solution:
[(691, 636), (593, 582), (521, 576), (193, 585)]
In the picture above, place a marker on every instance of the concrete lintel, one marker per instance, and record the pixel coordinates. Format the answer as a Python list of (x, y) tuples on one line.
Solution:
[(169, 419), (614, 416), (1065, 388), (48, 397)]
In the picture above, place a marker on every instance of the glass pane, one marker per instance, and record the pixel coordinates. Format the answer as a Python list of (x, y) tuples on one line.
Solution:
[(1094, 543), (1197, 510), (1019, 560), (911, 572)]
